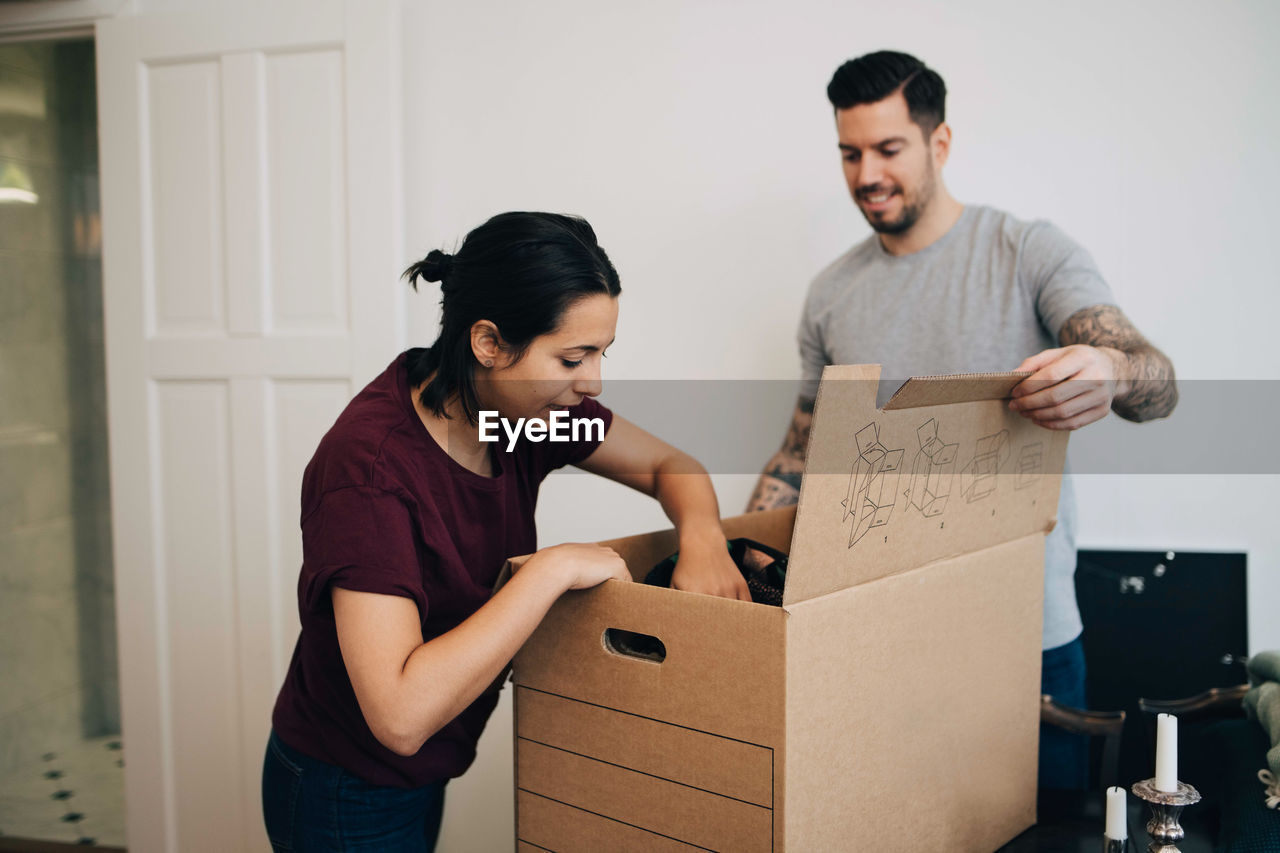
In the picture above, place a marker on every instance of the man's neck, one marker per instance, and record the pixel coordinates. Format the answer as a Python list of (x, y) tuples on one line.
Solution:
[(937, 220)]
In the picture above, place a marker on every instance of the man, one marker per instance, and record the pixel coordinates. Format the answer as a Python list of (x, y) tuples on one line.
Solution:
[(946, 288)]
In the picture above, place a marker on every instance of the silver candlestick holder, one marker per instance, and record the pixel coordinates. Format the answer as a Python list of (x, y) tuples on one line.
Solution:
[(1166, 809), (1114, 845)]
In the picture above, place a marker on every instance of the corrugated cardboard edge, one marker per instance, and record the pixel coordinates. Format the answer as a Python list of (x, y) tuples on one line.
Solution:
[(509, 568), (955, 388)]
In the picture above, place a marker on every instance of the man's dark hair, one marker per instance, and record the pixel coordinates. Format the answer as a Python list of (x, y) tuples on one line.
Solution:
[(520, 271), (878, 75)]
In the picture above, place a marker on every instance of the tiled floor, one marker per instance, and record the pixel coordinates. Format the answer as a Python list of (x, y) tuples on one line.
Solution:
[(74, 794)]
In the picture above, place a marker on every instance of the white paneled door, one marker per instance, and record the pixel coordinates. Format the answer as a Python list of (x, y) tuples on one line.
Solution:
[(251, 231)]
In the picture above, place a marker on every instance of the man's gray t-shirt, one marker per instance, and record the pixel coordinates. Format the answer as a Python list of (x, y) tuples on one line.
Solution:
[(987, 294)]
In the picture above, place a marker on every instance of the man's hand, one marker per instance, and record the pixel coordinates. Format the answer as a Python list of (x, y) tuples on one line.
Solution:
[(1145, 386), (705, 566), (1069, 387)]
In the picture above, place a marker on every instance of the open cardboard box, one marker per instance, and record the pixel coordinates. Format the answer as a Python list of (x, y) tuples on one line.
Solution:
[(891, 703)]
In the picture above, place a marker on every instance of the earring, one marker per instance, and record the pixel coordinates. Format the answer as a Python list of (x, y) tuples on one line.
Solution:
[(488, 362)]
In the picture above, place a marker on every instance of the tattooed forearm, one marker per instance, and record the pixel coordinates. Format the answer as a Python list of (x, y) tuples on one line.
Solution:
[(773, 491), (1151, 389), (779, 485), (797, 440)]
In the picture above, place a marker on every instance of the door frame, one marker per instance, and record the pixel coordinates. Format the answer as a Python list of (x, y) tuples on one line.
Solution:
[(41, 21)]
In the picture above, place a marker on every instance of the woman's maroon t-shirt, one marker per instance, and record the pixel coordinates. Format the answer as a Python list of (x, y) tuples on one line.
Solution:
[(385, 510)]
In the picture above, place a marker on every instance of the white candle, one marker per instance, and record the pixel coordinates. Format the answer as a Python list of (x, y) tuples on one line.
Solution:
[(1167, 753), (1117, 826)]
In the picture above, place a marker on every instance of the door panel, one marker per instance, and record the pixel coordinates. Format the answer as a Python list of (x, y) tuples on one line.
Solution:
[(249, 159)]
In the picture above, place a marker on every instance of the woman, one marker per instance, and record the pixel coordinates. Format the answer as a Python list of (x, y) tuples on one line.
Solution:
[(407, 517)]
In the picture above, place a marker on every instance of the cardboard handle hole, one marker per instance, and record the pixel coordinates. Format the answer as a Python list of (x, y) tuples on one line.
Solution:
[(629, 644)]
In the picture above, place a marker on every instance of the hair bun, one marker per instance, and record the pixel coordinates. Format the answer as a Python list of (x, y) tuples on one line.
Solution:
[(441, 263), (436, 266)]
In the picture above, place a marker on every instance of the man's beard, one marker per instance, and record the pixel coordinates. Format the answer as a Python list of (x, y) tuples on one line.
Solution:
[(911, 211)]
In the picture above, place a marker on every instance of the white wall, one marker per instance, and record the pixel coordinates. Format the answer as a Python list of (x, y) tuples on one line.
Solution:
[(697, 139)]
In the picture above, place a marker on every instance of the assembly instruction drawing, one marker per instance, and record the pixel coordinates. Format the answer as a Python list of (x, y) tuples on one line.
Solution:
[(1027, 469), (873, 483), (978, 478), (931, 471)]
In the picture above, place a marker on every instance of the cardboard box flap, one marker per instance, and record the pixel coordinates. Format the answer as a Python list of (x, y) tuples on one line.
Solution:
[(946, 470), (959, 388)]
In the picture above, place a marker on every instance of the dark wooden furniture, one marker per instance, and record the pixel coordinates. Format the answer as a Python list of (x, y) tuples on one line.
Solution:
[(1108, 725), (1221, 702)]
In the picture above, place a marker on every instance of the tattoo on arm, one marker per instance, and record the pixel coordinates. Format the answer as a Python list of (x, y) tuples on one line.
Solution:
[(797, 440), (779, 485), (1153, 388), (774, 489)]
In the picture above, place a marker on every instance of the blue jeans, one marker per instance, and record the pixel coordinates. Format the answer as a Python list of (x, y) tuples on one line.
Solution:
[(310, 805), (1064, 756)]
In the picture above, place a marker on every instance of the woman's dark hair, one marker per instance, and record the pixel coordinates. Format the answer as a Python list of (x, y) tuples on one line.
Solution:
[(520, 271), (876, 76)]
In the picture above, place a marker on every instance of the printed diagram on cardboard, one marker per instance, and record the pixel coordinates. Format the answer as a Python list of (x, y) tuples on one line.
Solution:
[(873, 483), (932, 470), (978, 478), (1027, 468)]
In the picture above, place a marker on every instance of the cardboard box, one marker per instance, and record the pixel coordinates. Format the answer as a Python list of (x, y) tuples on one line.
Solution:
[(891, 703)]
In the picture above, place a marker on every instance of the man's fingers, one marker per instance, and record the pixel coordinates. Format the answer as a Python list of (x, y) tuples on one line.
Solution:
[(1068, 364), (1074, 415), (1061, 404), (1035, 362), (1084, 418), (1047, 368), (1064, 364), (1057, 394)]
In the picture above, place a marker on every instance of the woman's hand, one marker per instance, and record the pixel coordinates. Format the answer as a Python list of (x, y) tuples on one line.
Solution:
[(633, 457), (576, 565), (705, 566), (408, 689)]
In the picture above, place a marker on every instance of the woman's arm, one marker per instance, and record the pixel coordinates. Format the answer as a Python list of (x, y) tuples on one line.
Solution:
[(407, 689), (636, 458)]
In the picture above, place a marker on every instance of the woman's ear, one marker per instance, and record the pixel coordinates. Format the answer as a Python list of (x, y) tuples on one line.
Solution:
[(487, 344)]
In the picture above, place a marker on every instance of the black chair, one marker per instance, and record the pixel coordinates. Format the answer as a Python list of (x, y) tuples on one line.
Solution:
[(1068, 820), (1223, 702), (1108, 725)]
